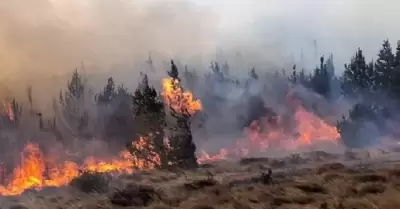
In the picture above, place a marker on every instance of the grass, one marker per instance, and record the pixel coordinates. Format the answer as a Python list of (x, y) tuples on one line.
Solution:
[(326, 185)]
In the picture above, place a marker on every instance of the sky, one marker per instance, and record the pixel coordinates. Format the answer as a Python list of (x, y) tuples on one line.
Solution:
[(339, 26)]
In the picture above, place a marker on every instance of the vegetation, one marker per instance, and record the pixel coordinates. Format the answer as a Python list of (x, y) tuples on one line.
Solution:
[(124, 117)]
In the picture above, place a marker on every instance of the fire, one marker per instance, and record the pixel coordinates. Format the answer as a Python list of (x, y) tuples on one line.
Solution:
[(261, 136), (37, 171), (177, 98), (7, 110)]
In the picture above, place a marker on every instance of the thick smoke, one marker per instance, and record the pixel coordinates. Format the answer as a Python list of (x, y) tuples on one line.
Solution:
[(42, 41)]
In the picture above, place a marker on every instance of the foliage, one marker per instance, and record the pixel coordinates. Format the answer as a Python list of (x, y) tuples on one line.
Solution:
[(321, 80), (362, 126), (74, 114), (118, 103), (384, 66), (149, 121), (183, 149), (358, 77)]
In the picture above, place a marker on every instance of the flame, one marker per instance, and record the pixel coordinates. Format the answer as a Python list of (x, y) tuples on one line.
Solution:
[(37, 171), (259, 137), (7, 110), (178, 99)]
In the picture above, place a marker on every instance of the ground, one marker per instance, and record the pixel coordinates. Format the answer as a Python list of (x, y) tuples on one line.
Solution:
[(315, 180)]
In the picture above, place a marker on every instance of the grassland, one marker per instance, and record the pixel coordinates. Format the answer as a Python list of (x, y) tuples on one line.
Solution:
[(315, 180)]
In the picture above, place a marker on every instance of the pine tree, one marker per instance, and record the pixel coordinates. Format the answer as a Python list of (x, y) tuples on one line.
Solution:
[(321, 80), (358, 77), (73, 111), (384, 66), (149, 122), (108, 93), (116, 107), (183, 148), (396, 73)]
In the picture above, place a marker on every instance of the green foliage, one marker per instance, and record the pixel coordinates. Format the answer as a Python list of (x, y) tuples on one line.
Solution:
[(358, 77), (149, 121), (384, 66), (321, 80), (91, 182)]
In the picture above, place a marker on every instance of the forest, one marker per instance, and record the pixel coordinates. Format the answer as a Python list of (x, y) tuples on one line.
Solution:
[(159, 126)]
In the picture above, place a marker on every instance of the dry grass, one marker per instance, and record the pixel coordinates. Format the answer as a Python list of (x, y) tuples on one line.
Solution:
[(328, 185)]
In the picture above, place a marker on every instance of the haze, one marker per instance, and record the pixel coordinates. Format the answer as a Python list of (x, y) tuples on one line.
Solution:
[(40, 39)]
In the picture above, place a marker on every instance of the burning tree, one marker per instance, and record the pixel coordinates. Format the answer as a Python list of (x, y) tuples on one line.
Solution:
[(182, 107), (149, 122)]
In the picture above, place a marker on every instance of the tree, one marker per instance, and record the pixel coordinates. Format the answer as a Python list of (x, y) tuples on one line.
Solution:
[(108, 93), (181, 142), (384, 66), (149, 122), (321, 80), (362, 126), (358, 77), (116, 107), (74, 114), (396, 73), (253, 74), (217, 72)]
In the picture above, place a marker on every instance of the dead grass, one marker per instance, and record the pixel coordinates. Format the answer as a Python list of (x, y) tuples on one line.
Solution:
[(327, 186)]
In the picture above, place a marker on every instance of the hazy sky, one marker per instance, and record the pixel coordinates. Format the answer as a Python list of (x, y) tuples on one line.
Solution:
[(339, 26), (45, 37)]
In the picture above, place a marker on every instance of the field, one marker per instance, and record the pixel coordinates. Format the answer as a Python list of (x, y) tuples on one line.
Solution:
[(361, 179)]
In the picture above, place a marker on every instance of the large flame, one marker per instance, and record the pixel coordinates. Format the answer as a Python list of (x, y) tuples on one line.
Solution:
[(177, 98), (262, 135), (38, 171)]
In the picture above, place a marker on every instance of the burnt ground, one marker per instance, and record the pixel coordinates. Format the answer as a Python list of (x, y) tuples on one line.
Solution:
[(364, 179)]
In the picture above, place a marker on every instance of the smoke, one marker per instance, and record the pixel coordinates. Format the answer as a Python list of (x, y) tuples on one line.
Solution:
[(42, 41)]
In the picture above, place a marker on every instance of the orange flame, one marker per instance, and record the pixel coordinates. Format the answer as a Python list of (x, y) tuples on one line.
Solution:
[(309, 128), (177, 98), (36, 171)]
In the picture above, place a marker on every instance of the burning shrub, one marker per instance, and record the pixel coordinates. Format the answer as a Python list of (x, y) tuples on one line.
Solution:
[(90, 182)]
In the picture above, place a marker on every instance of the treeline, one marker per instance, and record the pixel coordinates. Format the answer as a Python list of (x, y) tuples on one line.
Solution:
[(117, 115)]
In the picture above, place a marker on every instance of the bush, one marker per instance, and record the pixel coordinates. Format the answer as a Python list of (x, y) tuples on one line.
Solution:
[(90, 182)]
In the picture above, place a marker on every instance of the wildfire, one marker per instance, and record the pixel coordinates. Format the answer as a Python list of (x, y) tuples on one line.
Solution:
[(37, 171), (7, 110), (177, 98), (259, 136)]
